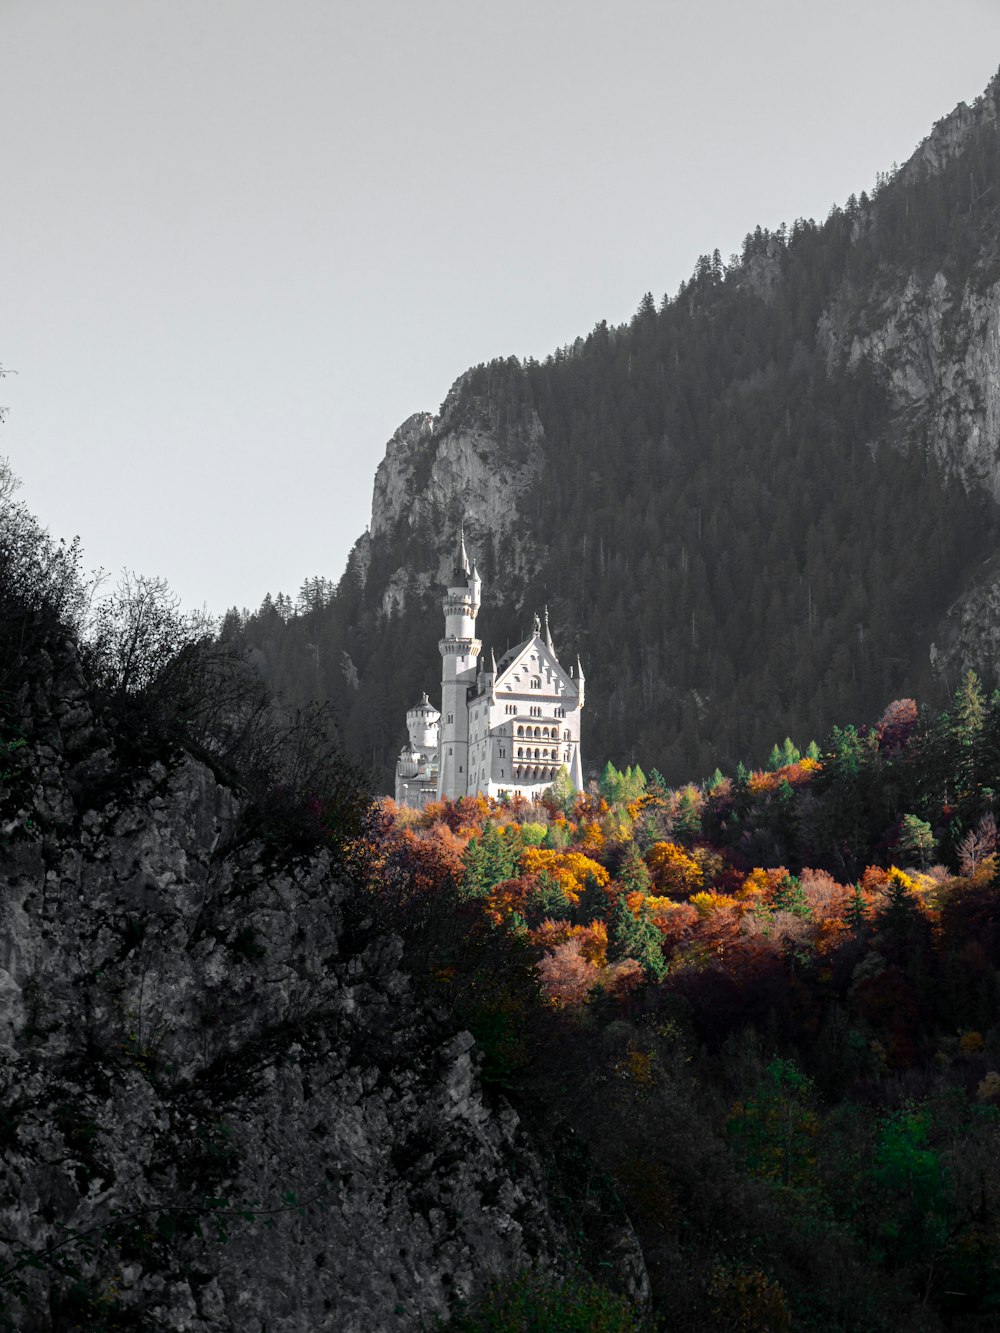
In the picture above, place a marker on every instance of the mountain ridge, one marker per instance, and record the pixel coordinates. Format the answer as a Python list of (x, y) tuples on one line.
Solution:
[(634, 481)]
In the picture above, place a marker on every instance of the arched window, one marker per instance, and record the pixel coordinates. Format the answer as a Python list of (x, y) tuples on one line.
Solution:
[(519, 752), (520, 731), (536, 682), (566, 733)]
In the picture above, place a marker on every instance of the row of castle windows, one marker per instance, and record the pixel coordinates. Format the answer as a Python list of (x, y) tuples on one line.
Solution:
[(543, 733), (543, 754), (534, 711)]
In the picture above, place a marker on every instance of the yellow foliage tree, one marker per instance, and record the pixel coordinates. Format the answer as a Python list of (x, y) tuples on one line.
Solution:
[(570, 870), (675, 872), (706, 903)]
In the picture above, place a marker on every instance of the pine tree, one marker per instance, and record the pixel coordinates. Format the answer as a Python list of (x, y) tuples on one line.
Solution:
[(916, 839), (789, 896), (631, 936), (856, 913), (634, 874), (489, 860)]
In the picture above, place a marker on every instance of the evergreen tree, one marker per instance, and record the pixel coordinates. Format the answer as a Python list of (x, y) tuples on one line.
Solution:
[(916, 840), (856, 913), (633, 873), (631, 936), (488, 860)]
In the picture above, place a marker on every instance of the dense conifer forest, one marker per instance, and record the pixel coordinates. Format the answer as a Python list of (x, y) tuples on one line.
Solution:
[(739, 533)]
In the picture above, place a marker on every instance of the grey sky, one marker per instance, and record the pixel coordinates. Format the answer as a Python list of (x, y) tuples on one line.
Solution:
[(242, 240)]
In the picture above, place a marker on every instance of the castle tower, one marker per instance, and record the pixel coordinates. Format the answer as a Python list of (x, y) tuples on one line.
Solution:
[(460, 651)]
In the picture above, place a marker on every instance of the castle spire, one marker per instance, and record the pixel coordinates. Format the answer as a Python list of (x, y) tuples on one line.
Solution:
[(461, 556), (548, 634)]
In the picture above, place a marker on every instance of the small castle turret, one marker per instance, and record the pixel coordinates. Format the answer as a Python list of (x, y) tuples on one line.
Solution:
[(417, 765)]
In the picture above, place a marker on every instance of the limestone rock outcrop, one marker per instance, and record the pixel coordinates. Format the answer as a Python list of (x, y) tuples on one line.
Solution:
[(221, 1105), (464, 466)]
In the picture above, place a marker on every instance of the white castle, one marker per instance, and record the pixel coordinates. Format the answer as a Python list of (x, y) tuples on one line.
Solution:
[(503, 730)]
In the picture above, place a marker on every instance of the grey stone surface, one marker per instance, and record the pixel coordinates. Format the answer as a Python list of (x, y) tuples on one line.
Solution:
[(221, 1107)]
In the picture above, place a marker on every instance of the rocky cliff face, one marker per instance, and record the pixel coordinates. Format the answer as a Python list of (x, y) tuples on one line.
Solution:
[(951, 133), (938, 350), (221, 1107), (464, 466)]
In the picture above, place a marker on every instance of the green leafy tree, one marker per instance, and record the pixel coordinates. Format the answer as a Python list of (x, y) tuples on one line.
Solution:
[(790, 754), (687, 817), (916, 840), (774, 1130), (562, 789), (913, 1190), (620, 788)]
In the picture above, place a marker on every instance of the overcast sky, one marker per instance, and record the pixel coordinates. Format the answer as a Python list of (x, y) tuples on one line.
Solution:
[(242, 240)]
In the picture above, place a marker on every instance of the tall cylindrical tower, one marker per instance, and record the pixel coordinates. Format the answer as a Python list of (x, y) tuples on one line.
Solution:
[(460, 651)]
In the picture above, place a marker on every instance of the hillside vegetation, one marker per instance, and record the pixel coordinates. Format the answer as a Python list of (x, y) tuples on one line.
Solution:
[(739, 523), (766, 1006)]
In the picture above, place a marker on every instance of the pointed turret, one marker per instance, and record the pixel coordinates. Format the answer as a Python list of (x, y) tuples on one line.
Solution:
[(581, 681), (548, 634), (461, 570)]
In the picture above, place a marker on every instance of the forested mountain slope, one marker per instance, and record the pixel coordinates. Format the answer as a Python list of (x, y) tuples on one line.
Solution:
[(749, 510)]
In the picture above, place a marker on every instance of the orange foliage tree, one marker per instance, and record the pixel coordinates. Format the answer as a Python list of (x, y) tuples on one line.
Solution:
[(675, 871)]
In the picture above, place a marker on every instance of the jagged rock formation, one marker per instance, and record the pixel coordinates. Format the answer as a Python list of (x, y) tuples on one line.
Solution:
[(467, 465), (221, 1106)]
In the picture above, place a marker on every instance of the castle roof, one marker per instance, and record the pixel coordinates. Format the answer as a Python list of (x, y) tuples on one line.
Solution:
[(514, 659), (424, 706), (461, 570)]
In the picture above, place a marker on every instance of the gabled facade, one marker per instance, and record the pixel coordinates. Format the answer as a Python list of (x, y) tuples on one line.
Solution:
[(505, 728)]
